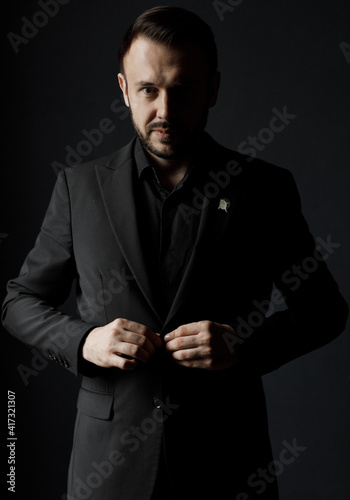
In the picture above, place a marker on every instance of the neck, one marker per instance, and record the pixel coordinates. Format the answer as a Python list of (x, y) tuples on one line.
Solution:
[(170, 172)]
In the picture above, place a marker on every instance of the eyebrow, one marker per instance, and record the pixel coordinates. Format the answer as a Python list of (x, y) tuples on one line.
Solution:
[(143, 83)]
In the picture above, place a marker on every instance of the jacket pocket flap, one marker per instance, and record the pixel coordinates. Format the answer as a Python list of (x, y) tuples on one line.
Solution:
[(95, 404)]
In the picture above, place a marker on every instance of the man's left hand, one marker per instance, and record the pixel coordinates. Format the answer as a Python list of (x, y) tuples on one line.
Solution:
[(201, 345)]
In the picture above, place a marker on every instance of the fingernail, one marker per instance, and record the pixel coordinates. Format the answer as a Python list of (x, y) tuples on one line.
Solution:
[(167, 337)]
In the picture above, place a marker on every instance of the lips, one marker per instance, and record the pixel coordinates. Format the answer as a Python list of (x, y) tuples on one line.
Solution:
[(164, 132)]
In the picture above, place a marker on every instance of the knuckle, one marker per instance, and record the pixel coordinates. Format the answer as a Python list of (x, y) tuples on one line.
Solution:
[(105, 359), (182, 355), (177, 332), (126, 364), (140, 329), (206, 338), (123, 363), (134, 349), (111, 345), (111, 348), (141, 341), (178, 343), (144, 331), (209, 352), (205, 325), (119, 323), (210, 365)]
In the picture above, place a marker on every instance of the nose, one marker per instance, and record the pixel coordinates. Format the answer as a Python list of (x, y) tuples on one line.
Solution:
[(166, 106)]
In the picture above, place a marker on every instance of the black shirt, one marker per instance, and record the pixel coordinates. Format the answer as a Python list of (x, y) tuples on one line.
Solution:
[(168, 235)]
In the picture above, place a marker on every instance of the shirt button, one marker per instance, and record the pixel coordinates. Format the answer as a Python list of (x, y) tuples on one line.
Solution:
[(157, 402)]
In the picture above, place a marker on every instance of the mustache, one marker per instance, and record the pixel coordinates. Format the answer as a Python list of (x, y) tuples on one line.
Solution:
[(164, 125)]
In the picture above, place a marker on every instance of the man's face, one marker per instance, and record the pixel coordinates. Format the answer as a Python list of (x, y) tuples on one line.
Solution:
[(169, 92)]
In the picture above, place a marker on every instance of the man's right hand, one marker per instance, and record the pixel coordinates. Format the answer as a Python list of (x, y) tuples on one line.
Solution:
[(121, 344)]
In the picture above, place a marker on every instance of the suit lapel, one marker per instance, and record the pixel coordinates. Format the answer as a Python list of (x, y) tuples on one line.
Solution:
[(116, 184), (211, 235)]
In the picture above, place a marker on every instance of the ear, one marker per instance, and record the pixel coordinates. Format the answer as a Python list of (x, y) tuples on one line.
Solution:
[(124, 86), (214, 88)]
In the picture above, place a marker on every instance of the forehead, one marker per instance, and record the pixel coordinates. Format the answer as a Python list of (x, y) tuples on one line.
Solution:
[(151, 61)]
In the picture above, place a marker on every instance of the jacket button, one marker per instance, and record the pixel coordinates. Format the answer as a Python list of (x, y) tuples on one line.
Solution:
[(157, 402)]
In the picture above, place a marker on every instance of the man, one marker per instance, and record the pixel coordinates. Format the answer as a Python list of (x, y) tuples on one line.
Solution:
[(175, 243)]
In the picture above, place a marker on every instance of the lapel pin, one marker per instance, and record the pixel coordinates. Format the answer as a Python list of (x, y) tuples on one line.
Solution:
[(224, 204)]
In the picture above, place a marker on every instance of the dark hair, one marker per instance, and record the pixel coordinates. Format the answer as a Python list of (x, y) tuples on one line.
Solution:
[(175, 27)]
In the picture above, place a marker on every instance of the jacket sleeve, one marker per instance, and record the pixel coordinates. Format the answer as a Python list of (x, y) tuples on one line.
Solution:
[(30, 308), (316, 312)]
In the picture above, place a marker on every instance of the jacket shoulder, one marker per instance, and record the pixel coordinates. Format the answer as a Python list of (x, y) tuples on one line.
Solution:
[(112, 160), (251, 169)]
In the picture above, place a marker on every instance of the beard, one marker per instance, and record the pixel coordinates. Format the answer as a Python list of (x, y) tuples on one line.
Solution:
[(179, 145)]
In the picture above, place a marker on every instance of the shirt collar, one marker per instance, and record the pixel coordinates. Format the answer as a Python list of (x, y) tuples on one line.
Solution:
[(141, 159), (144, 165), (143, 162)]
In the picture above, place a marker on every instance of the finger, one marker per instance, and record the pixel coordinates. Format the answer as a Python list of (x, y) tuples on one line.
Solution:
[(204, 363), (188, 355), (182, 331), (122, 362), (180, 343), (193, 363), (138, 340), (133, 351), (156, 339), (133, 326)]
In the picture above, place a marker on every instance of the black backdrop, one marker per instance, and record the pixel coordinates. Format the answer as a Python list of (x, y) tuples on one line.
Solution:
[(275, 56)]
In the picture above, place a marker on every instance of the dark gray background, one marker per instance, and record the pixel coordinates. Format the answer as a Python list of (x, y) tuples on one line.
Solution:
[(273, 54)]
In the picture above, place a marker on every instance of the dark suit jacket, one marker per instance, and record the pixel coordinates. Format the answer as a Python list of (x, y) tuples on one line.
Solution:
[(213, 424)]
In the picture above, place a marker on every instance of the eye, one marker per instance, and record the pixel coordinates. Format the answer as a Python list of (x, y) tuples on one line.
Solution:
[(149, 91)]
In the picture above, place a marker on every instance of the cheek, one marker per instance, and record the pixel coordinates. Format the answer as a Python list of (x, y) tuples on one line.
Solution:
[(142, 113)]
